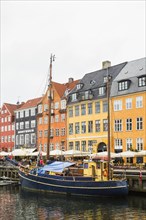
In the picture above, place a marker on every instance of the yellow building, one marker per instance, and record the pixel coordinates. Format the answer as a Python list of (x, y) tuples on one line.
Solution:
[(87, 122), (128, 106)]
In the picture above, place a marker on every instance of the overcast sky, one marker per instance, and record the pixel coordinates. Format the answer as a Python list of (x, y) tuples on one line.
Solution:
[(81, 34)]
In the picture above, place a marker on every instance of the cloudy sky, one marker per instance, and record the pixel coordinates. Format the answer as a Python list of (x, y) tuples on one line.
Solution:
[(81, 34)]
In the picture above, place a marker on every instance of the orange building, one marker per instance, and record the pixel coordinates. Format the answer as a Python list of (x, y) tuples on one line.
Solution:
[(58, 117), (128, 107)]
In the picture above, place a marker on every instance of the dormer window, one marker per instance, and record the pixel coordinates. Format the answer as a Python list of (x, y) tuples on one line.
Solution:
[(92, 82), (74, 97), (124, 85), (79, 86), (102, 90), (142, 81)]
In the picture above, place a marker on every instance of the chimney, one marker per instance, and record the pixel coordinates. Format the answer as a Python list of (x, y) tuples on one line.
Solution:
[(70, 80), (106, 64)]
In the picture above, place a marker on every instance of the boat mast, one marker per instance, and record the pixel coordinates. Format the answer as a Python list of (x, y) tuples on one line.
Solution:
[(108, 118), (52, 58)]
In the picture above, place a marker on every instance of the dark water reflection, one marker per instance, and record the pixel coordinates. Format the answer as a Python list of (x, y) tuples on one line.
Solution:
[(16, 204)]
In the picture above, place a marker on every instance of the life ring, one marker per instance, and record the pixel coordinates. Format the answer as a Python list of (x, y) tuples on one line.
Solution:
[(105, 173)]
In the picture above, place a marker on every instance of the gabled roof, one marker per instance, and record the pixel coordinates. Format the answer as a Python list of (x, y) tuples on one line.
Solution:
[(31, 103), (131, 72), (60, 88), (91, 82), (12, 107)]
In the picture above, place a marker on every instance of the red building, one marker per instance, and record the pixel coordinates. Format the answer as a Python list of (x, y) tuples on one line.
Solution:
[(7, 129)]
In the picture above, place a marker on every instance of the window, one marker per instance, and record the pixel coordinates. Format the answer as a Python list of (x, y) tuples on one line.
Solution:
[(139, 144), (128, 124), (90, 146), (9, 138), (97, 126), (83, 127), (9, 118), (117, 105), (62, 131), (33, 124), (77, 110), (90, 126), (118, 125), (118, 144), (105, 124), (17, 114), (27, 113), (129, 103), (13, 127), (27, 139), (63, 104), (33, 138), (21, 139), (46, 120), (142, 81), (46, 133), (6, 119), (101, 90), (128, 143), (33, 112), (46, 107), (71, 129), (139, 123), (9, 127), (57, 131), (21, 114), (83, 146), (56, 105), (70, 112), (40, 121), (17, 139), (79, 86), (27, 124), (83, 109), (51, 133), (40, 109), (77, 128), (86, 94), (123, 85), (71, 146), (51, 146), (62, 117), (40, 133), (21, 125), (89, 108), (139, 102), (77, 145), (56, 118), (17, 126), (97, 107), (105, 106), (74, 97)]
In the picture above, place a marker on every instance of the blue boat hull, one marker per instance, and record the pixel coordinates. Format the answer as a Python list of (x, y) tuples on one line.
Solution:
[(80, 186)]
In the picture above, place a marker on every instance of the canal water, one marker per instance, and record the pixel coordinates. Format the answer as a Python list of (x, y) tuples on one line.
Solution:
[(17, 204)]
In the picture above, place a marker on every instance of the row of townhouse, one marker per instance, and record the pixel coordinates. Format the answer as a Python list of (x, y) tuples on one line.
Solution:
[(29, 121), (79, 118), (87, 121)]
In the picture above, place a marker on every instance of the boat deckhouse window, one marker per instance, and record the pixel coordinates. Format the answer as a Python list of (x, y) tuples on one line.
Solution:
[(124, 85), (142, 81)]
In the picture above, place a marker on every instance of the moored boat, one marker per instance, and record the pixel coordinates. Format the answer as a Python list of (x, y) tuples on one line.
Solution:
[(66, 178)]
